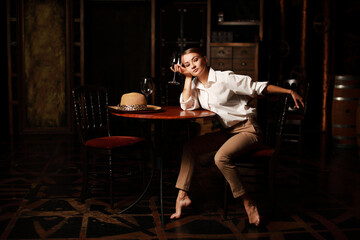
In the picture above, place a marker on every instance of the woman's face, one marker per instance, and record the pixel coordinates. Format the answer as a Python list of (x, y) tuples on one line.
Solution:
[(194, 63)]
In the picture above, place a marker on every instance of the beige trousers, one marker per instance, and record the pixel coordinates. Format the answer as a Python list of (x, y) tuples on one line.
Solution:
[(227, 144)]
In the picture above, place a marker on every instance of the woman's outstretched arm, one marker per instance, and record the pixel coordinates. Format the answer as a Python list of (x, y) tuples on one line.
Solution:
[(272, 89)]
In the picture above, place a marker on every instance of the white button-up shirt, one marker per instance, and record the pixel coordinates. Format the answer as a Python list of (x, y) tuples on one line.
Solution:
[(227, 94)]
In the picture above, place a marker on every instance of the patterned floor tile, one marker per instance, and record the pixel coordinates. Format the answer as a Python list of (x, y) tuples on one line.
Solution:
[(41, 180)]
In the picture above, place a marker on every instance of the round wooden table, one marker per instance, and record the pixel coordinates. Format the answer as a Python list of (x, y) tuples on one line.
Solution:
[(166, 113), (169, 113)]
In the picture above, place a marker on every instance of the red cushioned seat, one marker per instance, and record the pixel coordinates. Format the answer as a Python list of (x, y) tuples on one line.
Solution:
[(261, 151), (112, 142)]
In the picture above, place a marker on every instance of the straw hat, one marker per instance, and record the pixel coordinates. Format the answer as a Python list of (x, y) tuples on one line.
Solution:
[(133, 102)]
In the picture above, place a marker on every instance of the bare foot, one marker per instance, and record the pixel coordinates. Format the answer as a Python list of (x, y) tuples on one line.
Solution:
[(251, 210), (253, 214), (182, 201)]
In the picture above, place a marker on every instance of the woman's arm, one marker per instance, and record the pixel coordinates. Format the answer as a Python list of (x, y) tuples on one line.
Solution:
[(186, 93), (271, 89)]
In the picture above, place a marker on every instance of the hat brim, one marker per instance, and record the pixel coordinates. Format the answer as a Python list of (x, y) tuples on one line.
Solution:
[(149, 109)]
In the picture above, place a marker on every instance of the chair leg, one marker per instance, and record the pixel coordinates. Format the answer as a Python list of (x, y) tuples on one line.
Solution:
[(111, 179), (226, 187), (271, 176), (85, 176), (301, 140)]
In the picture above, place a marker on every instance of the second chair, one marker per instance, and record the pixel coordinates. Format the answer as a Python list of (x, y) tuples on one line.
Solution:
[(92, 123)]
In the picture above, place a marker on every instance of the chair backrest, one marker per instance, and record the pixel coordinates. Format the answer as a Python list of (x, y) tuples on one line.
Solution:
[(277, 121), (294, 85), (282, 118), (91, 112), (300, 88)]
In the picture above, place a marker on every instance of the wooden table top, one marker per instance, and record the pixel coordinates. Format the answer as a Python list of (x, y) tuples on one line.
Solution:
[(169, 113)]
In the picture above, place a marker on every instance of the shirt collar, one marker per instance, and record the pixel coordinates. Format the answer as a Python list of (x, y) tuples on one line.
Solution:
[(212, 76), (211, 79)]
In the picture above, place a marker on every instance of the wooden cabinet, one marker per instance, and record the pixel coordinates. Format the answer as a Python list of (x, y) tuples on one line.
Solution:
[(234, 33), (241, 58), (240, 52)]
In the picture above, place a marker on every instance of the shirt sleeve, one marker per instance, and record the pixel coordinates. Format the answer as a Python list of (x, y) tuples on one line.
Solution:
[(244, 85), (192, 103)]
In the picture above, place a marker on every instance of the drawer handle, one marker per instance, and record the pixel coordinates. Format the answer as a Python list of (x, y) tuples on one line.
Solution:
[(244, 52), (243, 64), (221, 64), (221, 52)]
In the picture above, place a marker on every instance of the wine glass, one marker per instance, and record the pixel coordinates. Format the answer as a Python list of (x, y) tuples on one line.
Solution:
[(146, 87), (175, 60)]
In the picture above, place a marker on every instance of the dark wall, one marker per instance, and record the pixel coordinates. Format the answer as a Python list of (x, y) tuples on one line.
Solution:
[(117, 45), (4, 126), (346, 17), (118, 50)]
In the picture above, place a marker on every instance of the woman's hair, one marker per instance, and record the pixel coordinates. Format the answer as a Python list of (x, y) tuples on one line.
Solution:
[(193, 50)]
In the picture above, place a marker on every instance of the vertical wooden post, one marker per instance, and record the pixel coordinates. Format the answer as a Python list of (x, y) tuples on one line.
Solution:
[(282, 37), (325, 83), (153, 57), (153, 16), (208, 30), (69, 58), (10, 72), (82, 47), (261, 15), (303, 37)]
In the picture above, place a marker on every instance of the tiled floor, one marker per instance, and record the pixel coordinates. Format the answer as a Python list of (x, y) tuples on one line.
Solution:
[(317, 198)]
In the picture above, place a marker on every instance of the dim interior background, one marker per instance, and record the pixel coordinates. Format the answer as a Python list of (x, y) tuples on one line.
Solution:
[(50, 47)]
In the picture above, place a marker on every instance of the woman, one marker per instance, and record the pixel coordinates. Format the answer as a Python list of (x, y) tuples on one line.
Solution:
[(226, 94)]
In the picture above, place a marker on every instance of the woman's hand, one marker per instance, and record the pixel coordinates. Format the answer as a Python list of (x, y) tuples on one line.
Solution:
[(297, 99), (180, 69), (186, 93), (276, 89)]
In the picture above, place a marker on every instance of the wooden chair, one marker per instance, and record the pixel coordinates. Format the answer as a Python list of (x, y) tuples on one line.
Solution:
[(92, 123), (295, 119), (263, 158)]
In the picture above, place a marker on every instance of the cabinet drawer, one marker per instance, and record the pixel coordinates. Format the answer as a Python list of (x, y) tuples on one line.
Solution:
[(244, 64), (221, 52), (244, 52), (221, 64)]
